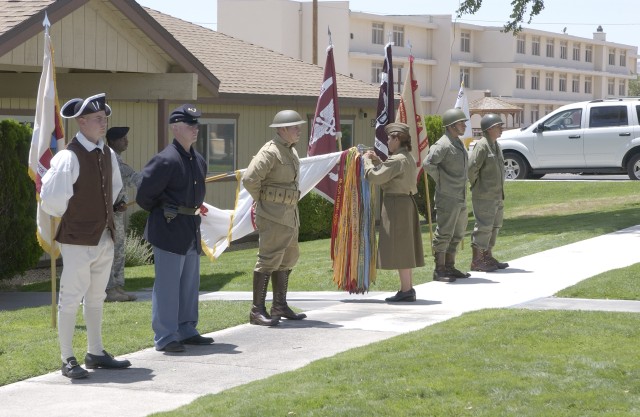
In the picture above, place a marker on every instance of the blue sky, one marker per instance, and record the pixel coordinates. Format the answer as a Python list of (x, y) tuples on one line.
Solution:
[(581, 18)]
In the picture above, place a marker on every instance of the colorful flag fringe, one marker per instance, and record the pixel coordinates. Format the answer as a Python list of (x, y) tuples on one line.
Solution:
[(353, 239)]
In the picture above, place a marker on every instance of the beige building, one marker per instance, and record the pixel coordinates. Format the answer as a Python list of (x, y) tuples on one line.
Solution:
[(536, 70), (148, 63)]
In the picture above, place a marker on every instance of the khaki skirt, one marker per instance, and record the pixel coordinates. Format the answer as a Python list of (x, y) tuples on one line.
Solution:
[(400, 241)]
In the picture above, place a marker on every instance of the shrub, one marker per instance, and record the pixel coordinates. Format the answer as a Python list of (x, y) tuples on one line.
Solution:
[(315, 217), (137, 251), (19, 249), (137, 222)]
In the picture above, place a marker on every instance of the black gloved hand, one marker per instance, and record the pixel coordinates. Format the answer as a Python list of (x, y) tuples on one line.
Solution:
[(170, 212)]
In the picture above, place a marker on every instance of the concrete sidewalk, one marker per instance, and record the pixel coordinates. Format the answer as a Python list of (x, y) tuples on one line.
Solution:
[(336, 322)]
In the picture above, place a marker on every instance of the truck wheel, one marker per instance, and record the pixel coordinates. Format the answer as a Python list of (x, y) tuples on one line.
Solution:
[(633, 167), (515, 167)]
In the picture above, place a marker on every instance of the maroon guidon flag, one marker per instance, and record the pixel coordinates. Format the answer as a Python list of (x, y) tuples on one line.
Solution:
[(386, 113), (325, 130)]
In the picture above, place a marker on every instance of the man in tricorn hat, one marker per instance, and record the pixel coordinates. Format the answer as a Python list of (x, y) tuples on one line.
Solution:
[(272, 179), (81, 187), (172, 190), (118, 140)]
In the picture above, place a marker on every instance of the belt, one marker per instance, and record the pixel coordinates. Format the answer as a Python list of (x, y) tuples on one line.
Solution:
[(189, 211), (279, 195)]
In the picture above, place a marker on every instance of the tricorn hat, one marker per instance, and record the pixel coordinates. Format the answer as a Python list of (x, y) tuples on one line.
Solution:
[(79, 107), (187, 113), (115, 133)]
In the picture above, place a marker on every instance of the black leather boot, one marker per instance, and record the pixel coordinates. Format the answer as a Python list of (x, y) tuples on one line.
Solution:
[(440, 272), (450, 262), (258, 314), (279, 307)]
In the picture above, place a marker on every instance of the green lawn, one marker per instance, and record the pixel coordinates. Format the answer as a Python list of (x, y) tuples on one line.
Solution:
[(487, 363)]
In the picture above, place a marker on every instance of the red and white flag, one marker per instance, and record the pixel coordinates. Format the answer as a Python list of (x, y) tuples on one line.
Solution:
[(410, 112), (48, 135), (325, 130), (386, 112)]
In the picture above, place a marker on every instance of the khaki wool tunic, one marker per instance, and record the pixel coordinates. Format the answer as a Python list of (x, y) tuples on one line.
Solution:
[(400, 240)]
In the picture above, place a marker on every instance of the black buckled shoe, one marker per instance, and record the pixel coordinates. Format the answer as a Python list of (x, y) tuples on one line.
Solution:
[(106, 361), (198, 340), (172, 347), (73, 370), (402, 296)]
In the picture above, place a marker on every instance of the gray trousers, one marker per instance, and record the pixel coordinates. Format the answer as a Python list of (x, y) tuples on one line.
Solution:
[(451, 219), (488, 215), (116, 279)]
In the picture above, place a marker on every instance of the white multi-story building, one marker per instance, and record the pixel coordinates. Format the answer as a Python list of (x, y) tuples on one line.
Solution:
[(536, 70)]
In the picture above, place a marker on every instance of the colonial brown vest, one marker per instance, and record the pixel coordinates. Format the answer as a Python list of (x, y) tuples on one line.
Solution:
[(90, 209)]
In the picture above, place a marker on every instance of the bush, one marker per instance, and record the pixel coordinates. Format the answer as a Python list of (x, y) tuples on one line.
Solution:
[(435, 130), (19, 248), (315, 217), (137, 222), (137, 251)]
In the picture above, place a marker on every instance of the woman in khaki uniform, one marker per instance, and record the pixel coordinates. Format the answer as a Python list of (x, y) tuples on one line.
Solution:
[(400, 241), (272, 179)]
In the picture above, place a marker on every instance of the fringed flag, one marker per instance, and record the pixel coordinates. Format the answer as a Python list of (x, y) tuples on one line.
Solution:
[(325, 130), (48, 135), (353, 244), (385, 113), (462, 102), (410, 112)]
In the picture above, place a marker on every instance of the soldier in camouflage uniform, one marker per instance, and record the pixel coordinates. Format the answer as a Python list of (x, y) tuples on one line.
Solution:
[(118, 141), (447, 163), (486, 175), (272, 179)]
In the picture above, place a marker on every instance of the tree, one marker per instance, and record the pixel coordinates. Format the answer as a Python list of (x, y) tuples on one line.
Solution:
[(634, 87), (517, 16)]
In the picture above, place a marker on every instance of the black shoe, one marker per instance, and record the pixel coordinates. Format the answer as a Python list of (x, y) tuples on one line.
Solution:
[(402, 296), (106, 361), (73, 370), (197, 340), (172, 347)]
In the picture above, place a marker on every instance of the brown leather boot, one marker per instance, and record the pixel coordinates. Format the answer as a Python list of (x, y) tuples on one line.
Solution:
[(500, 265), (449, 262), (480, 261), (440, 271), (258, 314), (279, 307)]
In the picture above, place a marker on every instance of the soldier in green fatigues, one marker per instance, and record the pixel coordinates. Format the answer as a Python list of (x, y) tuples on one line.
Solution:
[(447, 163), (486, 175), (272, 179)]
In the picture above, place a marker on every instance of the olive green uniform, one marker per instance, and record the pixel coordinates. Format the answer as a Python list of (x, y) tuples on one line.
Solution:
[(447, 163), (486, 175), (272, 179)]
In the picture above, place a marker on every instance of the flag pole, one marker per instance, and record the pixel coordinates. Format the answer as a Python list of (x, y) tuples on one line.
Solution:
[(53, 276), (338, 132)]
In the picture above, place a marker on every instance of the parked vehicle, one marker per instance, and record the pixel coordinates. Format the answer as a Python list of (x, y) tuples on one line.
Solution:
[(589, 137)]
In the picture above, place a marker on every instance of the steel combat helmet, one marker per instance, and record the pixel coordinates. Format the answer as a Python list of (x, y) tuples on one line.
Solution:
[(452, 116), (490, 120), (286, 118)]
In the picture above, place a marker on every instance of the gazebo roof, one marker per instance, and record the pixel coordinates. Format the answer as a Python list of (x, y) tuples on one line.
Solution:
[(492, 105)]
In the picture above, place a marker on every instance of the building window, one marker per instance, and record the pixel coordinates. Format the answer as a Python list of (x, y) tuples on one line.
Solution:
[(520, 79), (549, 81), (621, 88), (535, 80), (376, 70), (465, 77), (588, 53), (535, 113), (535, 46), (563, 49), (398, 78), (587, 85), (575, 84), (562, 82), (623, 58), (377, 33), (346, 127), (548, 109), (612, 56), (398, 35), (576, 52), (465, 42), (520, 44), (551, 46), (217, 143), (611, 86)]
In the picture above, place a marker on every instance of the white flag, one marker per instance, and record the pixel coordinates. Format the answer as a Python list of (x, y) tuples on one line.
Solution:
[(219, 227), (462, 102)]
